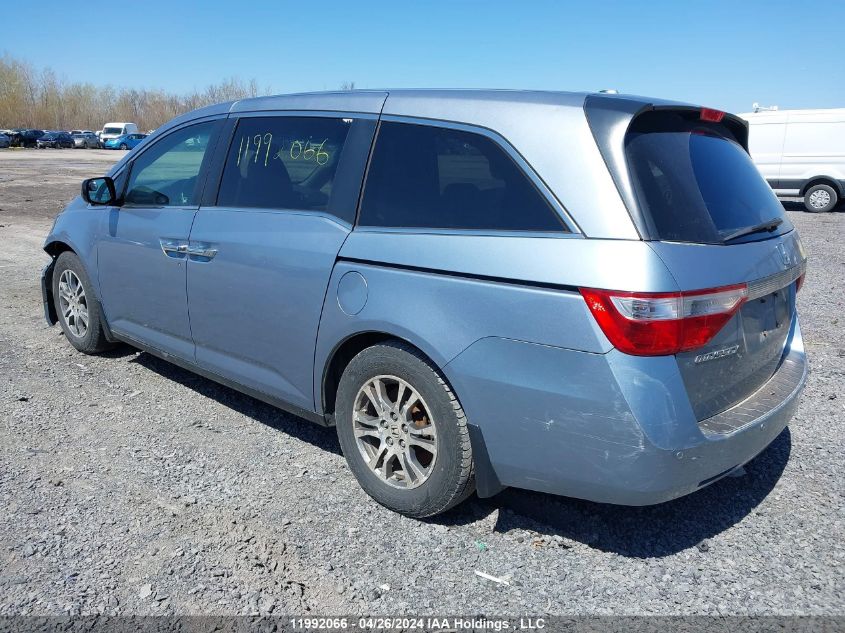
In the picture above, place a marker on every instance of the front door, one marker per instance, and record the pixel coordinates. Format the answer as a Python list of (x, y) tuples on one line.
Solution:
[(260, 259), (142, 254)]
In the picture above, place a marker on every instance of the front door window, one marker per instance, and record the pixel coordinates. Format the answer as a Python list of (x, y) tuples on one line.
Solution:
[(166, 174)]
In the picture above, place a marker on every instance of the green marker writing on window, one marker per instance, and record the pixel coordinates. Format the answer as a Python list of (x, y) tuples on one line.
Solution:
[(303, 149)]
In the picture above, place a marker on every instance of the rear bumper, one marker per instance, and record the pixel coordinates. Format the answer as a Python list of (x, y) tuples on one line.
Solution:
[(609, 427), (661, 475)]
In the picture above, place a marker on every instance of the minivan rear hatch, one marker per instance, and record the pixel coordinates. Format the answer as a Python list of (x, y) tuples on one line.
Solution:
[(706, 211)]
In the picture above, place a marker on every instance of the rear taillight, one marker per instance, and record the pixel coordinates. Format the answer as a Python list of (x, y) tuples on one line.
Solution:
[(663, 323), (799, 282)]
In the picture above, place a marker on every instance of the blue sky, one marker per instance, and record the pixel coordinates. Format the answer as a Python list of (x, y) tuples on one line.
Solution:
[(725, 54)]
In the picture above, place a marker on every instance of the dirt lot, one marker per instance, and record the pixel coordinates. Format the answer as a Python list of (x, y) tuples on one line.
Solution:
[(130, 486)]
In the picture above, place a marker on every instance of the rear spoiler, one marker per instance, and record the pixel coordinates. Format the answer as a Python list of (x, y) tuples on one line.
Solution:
[(610, 116)]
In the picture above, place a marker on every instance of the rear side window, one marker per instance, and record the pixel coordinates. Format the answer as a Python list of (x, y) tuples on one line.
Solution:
[(695, 182), (424, 176), (283, 163)]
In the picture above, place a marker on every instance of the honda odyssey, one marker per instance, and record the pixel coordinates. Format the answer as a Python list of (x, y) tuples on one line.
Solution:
[(589, 295)]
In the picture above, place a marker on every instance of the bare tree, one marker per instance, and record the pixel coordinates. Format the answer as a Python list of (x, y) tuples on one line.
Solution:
[(40, 99)]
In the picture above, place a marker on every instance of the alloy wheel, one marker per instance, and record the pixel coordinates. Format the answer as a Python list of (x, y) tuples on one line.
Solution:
[(73, 303), (394, 432)]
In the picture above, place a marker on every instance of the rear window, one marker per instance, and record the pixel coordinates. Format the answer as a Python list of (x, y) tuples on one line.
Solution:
[(424, 176), (695, 182)]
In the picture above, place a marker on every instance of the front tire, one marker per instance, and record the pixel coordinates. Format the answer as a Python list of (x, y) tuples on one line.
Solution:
[(403, 431), (820, 199), (124, 146), (79, 312)]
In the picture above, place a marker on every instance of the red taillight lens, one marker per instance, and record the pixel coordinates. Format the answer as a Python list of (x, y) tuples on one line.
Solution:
[(799, 282), (709, 114), (663, 323)]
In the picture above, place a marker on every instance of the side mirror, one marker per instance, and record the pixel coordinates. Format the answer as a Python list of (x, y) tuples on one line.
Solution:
[(99, 191)]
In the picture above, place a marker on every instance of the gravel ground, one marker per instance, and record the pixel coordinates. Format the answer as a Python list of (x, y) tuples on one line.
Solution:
[(130, 486)]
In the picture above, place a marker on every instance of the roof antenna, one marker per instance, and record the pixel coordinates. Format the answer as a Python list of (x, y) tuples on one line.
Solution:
[(609, 91)]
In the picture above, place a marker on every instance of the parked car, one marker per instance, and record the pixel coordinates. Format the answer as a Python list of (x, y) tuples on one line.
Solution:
[(114, 130), (601, 304), (5, 141), (23, 137), (56, 140), (127, 141), (85, 140), (800, 153)]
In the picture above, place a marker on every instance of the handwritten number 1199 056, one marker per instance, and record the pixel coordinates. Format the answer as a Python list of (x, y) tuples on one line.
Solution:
[(299, 150)]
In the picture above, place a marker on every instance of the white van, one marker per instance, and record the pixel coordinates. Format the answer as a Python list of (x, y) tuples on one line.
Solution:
[(801, 153), (113, 130)]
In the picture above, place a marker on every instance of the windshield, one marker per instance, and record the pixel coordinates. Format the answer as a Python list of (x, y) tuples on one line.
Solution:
[(113, 130), (696, 183)]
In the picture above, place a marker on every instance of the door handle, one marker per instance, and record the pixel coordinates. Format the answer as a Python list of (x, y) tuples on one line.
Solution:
[(173, 248), (203, 251)]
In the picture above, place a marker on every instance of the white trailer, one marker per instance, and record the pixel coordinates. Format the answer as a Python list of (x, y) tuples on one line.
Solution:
[(801, 153)]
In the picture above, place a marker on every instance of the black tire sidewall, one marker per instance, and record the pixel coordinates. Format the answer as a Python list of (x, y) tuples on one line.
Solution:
[(834, 198), (93, 341), (425, 499)]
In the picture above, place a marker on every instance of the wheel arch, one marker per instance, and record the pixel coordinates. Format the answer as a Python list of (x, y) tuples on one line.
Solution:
[(823, 180), (343, 353), (54, 248), (487, 482)]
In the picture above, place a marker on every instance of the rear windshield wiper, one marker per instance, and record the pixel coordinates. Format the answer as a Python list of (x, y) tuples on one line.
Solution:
[(768, 225)]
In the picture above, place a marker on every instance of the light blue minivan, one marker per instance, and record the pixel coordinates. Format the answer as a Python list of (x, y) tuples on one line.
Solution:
[(590, 295)]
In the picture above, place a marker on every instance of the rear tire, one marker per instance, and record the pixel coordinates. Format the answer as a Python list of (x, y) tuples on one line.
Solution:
[(820, 199), (79, 312), (124, 146), (412, 453)]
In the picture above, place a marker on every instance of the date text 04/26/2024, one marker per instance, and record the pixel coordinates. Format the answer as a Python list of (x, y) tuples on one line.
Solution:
[(421, 623)]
